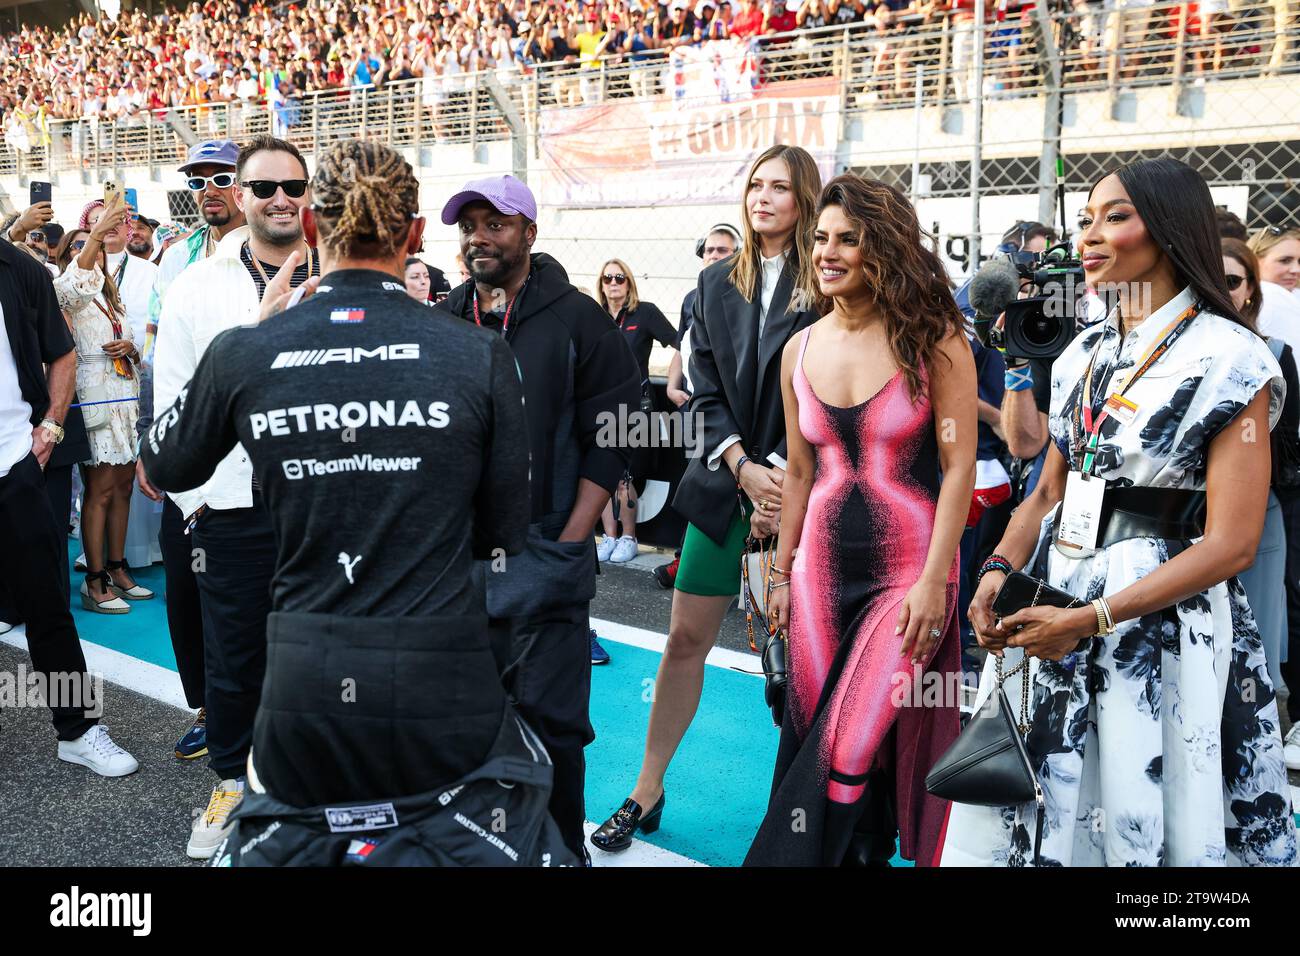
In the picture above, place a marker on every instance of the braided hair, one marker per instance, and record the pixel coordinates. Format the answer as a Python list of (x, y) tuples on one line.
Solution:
[(364, 195)]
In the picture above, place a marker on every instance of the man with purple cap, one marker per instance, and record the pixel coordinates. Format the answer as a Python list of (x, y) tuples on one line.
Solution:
[(209, 172), (578, 373)]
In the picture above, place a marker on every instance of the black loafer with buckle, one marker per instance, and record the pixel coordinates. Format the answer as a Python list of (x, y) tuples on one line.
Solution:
[(616, 833)]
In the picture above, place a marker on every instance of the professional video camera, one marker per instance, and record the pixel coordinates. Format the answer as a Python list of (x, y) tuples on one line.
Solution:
[(1037, 327)]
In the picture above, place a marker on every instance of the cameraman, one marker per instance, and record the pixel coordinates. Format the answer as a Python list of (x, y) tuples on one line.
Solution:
[(1028, 383)]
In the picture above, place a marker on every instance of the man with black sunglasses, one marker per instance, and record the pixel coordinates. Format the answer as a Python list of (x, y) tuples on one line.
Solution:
[(209, 172), (230, 528)]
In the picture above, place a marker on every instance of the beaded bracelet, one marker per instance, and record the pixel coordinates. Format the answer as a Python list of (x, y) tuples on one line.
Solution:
[(995, 562)]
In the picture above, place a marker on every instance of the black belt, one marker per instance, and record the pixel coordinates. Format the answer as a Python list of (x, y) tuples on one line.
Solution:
[(1148, 513)]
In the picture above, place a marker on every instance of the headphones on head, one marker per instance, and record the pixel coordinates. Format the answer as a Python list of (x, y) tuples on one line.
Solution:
[(720, 227)]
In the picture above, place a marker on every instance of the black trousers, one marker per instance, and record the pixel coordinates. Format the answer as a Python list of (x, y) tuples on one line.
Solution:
[(1289, 498), (234, 564), (546, 669), (33, 557), (184, 611), (58, 489)]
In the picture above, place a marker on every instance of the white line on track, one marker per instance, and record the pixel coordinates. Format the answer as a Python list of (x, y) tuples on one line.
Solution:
[(163, 685), (654, 641)]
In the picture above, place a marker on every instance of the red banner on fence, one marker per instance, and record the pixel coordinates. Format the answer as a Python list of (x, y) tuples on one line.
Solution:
[(680, 150)]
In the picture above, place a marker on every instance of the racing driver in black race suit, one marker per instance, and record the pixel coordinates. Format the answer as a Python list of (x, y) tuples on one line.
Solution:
[(392, 449)]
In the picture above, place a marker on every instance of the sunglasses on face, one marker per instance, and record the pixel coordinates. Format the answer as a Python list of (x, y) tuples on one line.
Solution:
[(712, 250), (617, 278), (220, 180), (1234, 282), (79, 244), (265, 188), (36, 236)]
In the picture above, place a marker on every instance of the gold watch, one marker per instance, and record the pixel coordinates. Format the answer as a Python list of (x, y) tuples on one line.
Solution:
[(54, 428)]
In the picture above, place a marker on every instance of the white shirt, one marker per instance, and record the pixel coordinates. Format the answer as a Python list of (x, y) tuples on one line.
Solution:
[(135, 288), (1279, 314), (771, 271), (15, 412)]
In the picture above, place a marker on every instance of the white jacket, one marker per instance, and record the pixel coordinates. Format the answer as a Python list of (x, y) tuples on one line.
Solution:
[(204, 300)]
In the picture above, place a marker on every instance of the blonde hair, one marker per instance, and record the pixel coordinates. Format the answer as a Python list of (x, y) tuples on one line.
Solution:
[(806, 183), (364, 195), (633, 300), (1268, 237)]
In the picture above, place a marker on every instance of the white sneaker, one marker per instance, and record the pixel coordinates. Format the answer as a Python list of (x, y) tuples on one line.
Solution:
[(95, 749), (624, 550), (1291, 750), (213, 825), (605, 548)]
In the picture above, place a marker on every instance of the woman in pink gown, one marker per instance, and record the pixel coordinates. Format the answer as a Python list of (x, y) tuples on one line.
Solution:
[(881, 418)]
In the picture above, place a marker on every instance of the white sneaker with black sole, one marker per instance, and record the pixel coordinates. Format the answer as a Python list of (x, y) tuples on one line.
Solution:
[(95, 749), (1291, 750)]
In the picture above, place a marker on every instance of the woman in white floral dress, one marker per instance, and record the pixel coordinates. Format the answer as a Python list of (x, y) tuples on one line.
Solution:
[(1155, 740), (107, 361)]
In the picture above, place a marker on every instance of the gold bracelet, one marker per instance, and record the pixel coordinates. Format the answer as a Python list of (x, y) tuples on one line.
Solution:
[(1110, 618), (781, 571), (779, 584)]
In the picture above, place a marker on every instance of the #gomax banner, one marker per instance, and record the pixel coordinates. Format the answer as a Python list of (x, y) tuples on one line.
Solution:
[(691, 144)]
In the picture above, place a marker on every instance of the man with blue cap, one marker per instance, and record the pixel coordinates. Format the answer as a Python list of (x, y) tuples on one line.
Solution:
[(209, 172)]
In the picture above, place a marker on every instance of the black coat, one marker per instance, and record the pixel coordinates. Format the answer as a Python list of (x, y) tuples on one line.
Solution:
[(737, 382)]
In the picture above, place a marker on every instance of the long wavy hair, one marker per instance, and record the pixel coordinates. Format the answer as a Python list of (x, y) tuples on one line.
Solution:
[(805, 183), (906, 279), (64, 255)]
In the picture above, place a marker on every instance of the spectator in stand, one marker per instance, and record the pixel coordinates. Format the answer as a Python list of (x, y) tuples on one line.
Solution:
[(777, 18), (638, 44), (708, 26), (680, 28), (748, 21)]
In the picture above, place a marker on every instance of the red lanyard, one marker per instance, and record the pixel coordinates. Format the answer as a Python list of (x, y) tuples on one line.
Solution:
[(505, 324), (1091, 425)]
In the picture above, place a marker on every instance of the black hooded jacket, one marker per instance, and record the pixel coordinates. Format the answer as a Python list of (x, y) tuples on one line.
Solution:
[(575, 365)]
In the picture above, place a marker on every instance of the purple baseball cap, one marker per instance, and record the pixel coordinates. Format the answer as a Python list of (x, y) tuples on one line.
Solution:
[(508, 195), (218, 152)]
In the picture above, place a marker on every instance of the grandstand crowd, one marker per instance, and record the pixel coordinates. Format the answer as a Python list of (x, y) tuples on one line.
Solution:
[(231, 51)]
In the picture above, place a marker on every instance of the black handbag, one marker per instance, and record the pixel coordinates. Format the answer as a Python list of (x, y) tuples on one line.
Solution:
[(988, 764)]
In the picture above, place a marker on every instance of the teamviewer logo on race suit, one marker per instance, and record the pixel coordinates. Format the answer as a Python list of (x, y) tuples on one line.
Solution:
[(376, 816)]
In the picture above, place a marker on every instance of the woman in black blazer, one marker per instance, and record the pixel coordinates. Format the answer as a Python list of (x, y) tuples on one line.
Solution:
[(746, 308)]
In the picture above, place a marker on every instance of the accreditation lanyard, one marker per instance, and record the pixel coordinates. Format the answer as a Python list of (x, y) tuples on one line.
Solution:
[(1088, 424), (266, 281), (505, 324)]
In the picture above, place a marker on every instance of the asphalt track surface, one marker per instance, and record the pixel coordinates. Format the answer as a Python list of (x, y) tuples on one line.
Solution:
[(58, 814)]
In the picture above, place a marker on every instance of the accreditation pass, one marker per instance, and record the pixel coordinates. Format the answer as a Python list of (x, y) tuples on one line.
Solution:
[(1081, 510)]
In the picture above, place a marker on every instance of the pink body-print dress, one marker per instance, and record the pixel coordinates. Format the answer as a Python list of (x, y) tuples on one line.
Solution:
[(858, 739)]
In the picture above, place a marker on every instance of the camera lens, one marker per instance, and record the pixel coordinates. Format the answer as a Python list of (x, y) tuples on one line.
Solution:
[(1041, 330)]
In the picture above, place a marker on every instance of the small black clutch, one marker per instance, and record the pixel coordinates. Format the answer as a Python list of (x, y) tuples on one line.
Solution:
[(1020, 591)]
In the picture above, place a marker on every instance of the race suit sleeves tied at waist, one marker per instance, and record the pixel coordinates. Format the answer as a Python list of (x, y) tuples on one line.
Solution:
[(388, 706)]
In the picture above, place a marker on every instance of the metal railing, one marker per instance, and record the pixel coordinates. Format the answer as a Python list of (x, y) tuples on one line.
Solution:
[(878, 67)]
